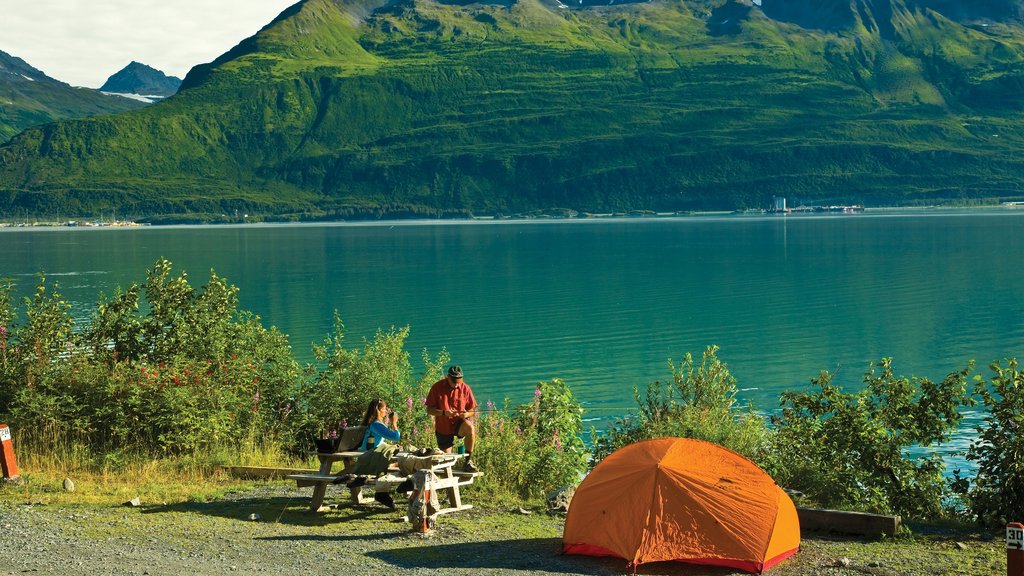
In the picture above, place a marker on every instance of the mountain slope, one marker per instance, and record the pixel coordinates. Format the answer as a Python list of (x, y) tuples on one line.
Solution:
[(29, 98), (361, 107), (143, 80)]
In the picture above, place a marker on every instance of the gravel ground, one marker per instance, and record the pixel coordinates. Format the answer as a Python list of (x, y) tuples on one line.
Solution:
[(220, 538)]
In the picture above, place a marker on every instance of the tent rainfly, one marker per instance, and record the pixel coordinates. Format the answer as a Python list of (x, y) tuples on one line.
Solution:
[(684, 500)]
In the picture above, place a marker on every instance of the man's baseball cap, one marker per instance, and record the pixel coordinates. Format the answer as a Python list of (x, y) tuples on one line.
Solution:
[(455, 372)]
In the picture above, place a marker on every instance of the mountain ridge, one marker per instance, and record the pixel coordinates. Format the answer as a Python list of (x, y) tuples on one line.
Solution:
[(420, 108), (28, 97)]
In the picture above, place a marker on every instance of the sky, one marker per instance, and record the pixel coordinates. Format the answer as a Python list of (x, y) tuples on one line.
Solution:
[(83, 42)]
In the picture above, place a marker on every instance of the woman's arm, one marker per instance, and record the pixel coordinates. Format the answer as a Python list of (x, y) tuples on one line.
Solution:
[(380, 430)]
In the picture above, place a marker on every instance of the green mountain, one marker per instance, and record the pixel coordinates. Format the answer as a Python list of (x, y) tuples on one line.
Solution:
[(29, 98), (424, 107)]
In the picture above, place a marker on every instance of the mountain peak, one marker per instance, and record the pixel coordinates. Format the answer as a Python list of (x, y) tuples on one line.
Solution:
[(17, 70), (138, 78)]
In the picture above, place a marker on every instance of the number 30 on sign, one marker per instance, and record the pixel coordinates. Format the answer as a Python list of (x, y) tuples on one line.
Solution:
[(1014, 537)]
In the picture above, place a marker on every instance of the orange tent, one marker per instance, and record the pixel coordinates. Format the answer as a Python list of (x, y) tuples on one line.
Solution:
[(682, 499)]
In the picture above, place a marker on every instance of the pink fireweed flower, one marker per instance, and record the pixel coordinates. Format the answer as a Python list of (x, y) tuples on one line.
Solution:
[(519, 431), (344, 423), (537, 392), (3, 331), (558, 443), (424, 401), (409, 403), (490, 406)]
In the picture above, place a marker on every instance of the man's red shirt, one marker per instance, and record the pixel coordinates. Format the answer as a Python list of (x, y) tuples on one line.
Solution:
[(443, 396)]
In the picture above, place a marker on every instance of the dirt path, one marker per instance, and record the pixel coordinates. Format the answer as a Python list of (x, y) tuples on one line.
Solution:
[(218, 538)]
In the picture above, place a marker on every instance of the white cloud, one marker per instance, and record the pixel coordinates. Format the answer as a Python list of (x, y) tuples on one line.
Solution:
[(83, 42)]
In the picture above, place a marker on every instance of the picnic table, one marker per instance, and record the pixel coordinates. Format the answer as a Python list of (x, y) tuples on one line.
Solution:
[(442, 465)]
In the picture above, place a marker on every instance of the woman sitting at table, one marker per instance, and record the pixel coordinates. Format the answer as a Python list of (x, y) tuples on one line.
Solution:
[(381, 430), (381, 425)]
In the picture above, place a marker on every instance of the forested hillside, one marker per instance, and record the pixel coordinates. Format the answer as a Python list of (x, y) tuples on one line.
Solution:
[(344, 108)]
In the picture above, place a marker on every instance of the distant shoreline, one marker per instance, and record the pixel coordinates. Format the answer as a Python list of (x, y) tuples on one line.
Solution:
[(1005, 208)]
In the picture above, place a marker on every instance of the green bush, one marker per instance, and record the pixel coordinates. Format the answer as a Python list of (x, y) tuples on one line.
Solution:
[(997, 494), (699, 403), (337, 394), (850, 449), (533, 449), (161, 369)]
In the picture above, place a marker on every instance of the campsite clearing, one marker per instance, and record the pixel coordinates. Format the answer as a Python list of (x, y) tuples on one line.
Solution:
[(46, 533)]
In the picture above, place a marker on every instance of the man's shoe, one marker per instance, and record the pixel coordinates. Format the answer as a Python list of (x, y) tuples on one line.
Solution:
[(385, 499), (341, 478), (405, 486), (357, 483), (468, 466)]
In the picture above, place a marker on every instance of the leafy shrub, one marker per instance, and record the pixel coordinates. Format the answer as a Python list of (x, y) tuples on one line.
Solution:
[(533, 449), (699, 403), (850, 449), (997, 494), (189, 373), (338, 394)]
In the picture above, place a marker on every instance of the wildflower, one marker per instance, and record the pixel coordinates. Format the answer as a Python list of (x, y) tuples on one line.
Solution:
[(490, 406), (344, 423), (558, 443), (3, 331), (424, 401), (537, 392), (408, 403), (519, 431)]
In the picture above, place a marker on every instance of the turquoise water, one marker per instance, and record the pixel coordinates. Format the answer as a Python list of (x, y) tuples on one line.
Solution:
[(603, 304)]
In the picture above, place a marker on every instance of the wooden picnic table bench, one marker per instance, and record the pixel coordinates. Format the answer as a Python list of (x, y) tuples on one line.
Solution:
[(449, 480)]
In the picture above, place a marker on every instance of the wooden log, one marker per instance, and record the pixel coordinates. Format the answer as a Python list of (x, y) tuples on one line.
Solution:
[(262, 473), (843, 522)]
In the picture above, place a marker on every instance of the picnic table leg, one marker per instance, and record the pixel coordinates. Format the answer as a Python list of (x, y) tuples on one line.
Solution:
[(320, 490), (454, 497)]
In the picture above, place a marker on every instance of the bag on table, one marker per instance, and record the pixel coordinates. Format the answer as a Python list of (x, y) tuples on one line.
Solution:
[(376, 461)]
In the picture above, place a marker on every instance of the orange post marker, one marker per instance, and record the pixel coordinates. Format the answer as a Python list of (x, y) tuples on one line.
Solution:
[(1015, 549), (7, 463)]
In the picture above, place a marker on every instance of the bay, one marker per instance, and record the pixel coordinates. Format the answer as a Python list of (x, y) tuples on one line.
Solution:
[(605, 303)]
